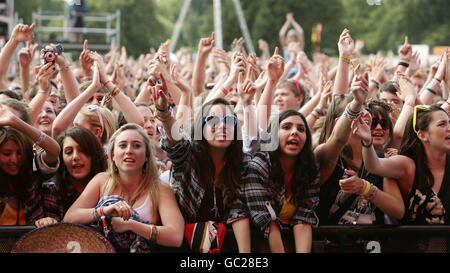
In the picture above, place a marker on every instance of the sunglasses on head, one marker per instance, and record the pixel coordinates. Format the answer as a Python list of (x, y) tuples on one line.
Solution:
[(98, 98), (383, 123), (416, 108), (96, 108), (214, 121)]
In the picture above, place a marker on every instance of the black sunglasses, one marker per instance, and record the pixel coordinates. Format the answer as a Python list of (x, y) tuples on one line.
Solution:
[(384, 123)]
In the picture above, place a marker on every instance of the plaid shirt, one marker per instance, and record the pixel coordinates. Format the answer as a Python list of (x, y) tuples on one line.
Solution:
[(33, 206), (265, 198), (186, 185)]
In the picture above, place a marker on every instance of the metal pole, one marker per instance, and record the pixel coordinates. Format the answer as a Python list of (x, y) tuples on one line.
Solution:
[(118, 29), (243, 24), (179, 24), (218, 23)]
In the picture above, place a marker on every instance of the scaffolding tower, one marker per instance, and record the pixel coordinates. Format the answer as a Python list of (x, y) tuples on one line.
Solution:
[(217, 24)]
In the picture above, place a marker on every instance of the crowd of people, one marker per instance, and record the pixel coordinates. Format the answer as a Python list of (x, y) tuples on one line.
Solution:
[(169, 148)]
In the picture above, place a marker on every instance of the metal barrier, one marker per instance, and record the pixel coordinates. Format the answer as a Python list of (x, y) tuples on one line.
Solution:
[(103, 29), (326, 239)]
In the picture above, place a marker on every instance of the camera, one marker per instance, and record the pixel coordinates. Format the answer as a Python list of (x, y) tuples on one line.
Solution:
[(50, 54)]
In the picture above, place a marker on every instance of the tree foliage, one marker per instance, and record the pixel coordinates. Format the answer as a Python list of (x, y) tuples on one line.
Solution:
[(147, 23)]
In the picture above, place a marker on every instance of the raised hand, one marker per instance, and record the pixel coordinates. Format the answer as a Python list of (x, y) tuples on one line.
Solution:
[(86, 61), (206, 44), (22, 33), (159, 94), (405, 51), (43, 74), (361, 129), (360, 86), (406, 87), (275, 67), (346, 44), (26, 54), (246, 89)]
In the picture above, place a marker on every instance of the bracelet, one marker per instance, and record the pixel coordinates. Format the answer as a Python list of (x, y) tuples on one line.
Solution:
[(368, 145), (431, 91), (163, 116), (153, 233), (372, 193), (66, 67), (224, 90), (345, 59), (376, 83), (41, 137), (403, 63), (367, 188), (95, 214), (364, 187), (412, 104), (350, 113), (321, 112), (314, 114)]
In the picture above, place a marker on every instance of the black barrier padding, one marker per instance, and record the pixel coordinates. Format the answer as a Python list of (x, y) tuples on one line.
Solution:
[(326, 239)]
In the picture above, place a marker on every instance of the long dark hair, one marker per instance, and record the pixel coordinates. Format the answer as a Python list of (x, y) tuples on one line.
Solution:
[(17, 185), (230, 175), (413, 147), (90, 146), (305, 170), (337, 109)]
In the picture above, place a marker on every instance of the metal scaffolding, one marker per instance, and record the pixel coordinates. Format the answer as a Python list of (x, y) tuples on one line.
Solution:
[(57, 23), (217, 24)]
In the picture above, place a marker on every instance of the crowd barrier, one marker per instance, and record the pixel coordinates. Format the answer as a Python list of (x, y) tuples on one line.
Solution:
[(326, 239)]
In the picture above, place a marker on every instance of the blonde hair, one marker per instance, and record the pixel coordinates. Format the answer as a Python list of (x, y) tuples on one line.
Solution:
[(109, 121), (150, 180)]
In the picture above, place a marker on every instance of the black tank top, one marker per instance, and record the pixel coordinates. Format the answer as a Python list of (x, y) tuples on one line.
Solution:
[(330, 190), (435, 208)]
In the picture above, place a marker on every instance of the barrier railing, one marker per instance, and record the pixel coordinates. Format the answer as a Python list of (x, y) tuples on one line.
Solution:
[(103, 28), (328, 239)]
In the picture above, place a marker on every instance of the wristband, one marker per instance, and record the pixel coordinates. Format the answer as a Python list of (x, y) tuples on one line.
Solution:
[(367, 146), (403, 63), (372, 193), (224, 90), (376, 83), (412, 104), (41, 137), (345, 59), (431, 91)]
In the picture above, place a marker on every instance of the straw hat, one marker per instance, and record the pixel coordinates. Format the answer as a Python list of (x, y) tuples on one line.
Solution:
[(63, 238)]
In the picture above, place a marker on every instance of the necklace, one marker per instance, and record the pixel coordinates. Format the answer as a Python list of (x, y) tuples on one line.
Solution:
[(215, 209)]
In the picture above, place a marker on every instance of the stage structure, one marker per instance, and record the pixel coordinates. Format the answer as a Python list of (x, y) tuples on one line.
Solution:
[(101, 29), (217, 24)]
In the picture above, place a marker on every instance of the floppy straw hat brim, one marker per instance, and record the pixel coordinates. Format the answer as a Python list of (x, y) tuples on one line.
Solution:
[(63, 238)]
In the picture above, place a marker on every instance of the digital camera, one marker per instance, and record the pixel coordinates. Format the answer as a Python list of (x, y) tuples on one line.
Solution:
[(50, 54)]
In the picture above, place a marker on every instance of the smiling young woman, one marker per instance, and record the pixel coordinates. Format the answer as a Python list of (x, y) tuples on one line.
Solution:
[(135, 208)]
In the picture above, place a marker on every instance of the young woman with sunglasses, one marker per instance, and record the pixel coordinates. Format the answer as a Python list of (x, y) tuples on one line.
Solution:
[(422, 166), (205, 168), (342, 168)]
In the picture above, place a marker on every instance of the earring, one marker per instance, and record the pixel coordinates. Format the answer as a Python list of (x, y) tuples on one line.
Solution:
[(144, 168)]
